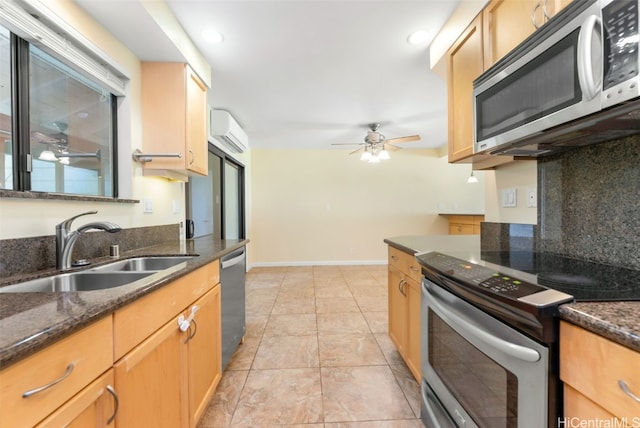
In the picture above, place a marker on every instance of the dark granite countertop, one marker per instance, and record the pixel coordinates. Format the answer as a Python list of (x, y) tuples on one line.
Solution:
[(615, 320), (31, 321)]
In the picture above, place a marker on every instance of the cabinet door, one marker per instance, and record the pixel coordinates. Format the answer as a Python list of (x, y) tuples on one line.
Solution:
[(464, 64), (174, 117), (412, 357), (506, 24), (151, 381), (397, 311), (94, 406), (205, 354), (196, 128)]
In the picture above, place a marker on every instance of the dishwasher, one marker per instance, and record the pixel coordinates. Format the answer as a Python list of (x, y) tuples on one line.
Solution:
[(232, 273)]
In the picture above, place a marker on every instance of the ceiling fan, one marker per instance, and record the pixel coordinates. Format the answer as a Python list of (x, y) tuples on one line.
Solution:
[(376, 146)]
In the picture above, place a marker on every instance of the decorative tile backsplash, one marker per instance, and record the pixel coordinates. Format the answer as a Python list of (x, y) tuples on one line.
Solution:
[(589, 203), (25, 255)]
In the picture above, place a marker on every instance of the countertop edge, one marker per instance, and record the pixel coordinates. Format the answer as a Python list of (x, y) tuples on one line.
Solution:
[(20, 346), (597, 317)]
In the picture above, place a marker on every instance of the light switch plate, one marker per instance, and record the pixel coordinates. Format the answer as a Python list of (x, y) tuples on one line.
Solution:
[(147, 205), (509, 198)]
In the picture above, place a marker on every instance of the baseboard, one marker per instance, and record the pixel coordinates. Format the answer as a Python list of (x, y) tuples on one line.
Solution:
[(319, 263)]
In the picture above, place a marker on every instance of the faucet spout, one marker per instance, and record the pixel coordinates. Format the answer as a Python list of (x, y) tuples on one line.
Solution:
[(65, 239)]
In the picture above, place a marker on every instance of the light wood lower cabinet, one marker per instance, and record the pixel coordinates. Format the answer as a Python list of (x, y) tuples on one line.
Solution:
[(404, 307), (168, 378), (163, 376), (204, 354), (594, 370), (94, 406), (33, 388), (150, 381)]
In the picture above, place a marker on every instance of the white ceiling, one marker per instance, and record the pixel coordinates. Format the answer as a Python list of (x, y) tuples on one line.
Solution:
[(303, 73)]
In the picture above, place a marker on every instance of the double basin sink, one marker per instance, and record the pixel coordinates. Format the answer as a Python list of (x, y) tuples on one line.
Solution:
[(111, 275)]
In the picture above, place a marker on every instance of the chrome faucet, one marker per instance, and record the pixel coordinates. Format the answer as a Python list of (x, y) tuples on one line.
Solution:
[(65, 239)]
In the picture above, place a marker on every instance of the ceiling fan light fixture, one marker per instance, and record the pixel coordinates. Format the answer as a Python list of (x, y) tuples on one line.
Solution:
[(366, 156), (47, 155), (472, 178), (384, 154), (418, 37), (374, 159)]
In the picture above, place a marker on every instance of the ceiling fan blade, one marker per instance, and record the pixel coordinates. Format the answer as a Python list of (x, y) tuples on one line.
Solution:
[(391, 147), (42, 138), (357, 150), (403, 139)]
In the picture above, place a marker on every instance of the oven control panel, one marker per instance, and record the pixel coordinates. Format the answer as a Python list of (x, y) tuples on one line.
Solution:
[(479, 276)]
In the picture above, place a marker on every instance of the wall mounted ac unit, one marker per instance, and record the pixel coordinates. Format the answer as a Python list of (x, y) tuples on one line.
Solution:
[(224, 129)]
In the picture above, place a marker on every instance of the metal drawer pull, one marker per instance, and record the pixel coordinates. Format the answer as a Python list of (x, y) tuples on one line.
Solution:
[(623, 386), (34, 391), (116, 403)]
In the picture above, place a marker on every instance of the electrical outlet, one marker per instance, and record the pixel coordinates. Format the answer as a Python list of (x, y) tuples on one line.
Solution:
[(532, 198)]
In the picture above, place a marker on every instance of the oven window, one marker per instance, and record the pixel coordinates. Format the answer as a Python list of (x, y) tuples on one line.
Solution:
[(486, 390)]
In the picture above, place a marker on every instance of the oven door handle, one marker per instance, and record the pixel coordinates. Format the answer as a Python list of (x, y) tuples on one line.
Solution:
[(517, 351)]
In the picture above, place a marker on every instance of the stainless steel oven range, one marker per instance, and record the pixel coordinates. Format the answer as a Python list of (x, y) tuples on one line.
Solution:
[(489, 355), (489, 347)]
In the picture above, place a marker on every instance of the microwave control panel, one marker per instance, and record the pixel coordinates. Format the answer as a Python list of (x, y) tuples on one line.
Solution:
[(620, 25)]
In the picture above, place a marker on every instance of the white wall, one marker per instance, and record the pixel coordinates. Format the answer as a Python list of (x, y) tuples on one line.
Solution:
[(519, 175), (26, 217), (324, 206)]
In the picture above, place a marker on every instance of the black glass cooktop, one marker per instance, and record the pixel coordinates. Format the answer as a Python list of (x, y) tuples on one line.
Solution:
[(586, 281)]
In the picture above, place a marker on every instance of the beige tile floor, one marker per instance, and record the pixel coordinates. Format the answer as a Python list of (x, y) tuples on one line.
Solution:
[(316, 354)]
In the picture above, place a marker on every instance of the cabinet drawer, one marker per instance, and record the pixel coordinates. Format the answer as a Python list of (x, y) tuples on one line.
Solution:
[(89, 352), (594, 365), (137, 321), (405, 263)]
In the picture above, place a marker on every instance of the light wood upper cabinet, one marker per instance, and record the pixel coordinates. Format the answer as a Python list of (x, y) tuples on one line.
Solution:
[(174, 117), (464, 65), (508, 22)]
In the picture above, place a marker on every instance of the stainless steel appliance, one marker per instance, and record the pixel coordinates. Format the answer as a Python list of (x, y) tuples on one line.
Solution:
[(490, 352), (232, 279), (574, 82)]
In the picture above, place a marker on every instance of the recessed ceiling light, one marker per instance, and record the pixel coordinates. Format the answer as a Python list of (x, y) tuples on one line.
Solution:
[(212, 36), (418, 37)]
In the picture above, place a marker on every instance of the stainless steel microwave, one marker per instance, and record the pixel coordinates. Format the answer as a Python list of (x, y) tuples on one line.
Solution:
[(549, 92)]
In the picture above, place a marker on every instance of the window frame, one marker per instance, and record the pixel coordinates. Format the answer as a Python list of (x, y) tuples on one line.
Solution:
[(20, 114)]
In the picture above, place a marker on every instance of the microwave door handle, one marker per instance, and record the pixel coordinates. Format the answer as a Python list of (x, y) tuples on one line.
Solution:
[(520, 352), (585, 60)]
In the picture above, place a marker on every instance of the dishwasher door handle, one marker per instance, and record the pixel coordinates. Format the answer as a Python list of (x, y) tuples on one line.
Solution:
[(233, 261)]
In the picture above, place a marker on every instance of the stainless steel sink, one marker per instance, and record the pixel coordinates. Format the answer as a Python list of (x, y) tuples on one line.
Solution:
[(76, 281), (143, 264)]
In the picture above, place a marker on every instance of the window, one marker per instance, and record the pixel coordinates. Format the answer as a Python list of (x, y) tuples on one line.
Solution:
[(6, 161), (60, 123)]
